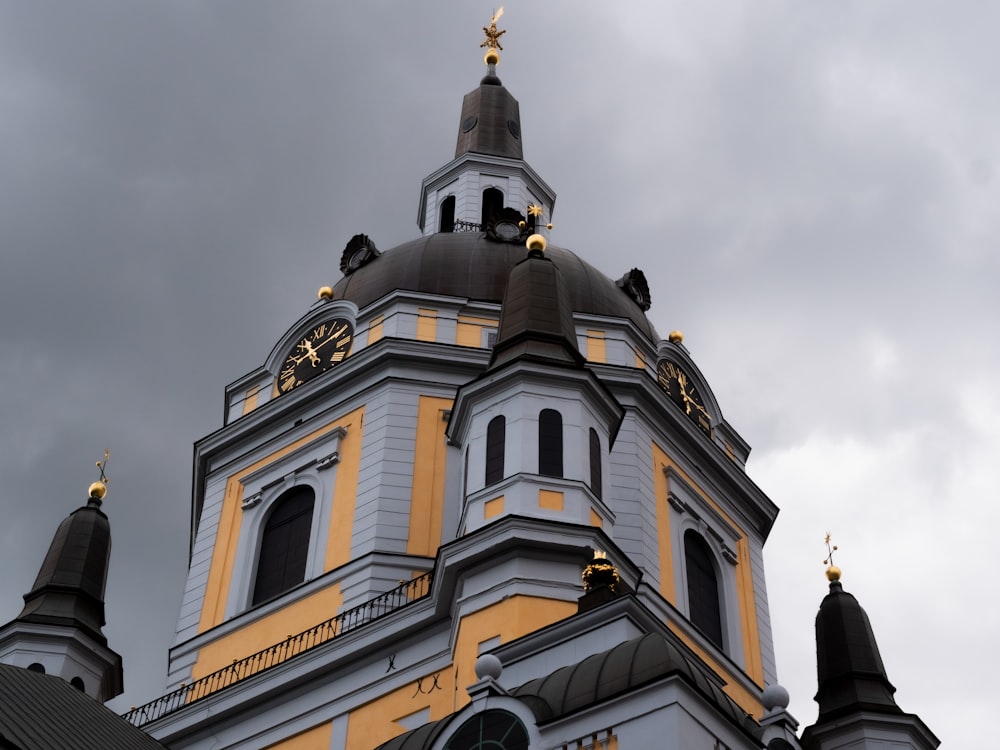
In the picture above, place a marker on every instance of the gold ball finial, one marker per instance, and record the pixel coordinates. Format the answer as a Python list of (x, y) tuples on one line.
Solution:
[(536, 242), (492, 57), (676, 337), (97, 491), (833, 573), (325, 292)]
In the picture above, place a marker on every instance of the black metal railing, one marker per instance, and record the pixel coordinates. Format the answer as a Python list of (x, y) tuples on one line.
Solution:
[(406, 593), (467, 226)]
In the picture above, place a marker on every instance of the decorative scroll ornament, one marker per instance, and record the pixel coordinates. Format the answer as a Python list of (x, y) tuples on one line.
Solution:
[(360, 251), (634, 284)]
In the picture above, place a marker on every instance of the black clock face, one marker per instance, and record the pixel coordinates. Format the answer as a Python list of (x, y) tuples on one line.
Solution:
[(322, 348), (682, 392)]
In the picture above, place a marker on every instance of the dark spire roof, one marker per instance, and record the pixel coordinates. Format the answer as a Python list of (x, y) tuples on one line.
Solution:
[(851, 675), (69, 589), (491, 121), (536, 321)]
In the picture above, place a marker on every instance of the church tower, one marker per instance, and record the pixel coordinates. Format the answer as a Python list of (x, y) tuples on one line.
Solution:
[(59, 630), (472, 496)]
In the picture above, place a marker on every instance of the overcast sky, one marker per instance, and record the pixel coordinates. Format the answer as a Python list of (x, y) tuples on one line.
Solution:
[(810, 187)]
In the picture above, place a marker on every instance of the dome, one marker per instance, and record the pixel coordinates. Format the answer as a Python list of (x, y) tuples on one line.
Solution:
[(467, 264)]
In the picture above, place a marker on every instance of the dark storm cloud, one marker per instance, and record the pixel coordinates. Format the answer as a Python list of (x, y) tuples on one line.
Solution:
[(810, 188)]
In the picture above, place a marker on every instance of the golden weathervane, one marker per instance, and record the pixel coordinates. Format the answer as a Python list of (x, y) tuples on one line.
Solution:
[(492, 35), (99, 489), (832, 571)]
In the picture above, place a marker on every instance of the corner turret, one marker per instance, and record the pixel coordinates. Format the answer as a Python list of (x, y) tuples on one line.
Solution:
[(855, 697), (59, 629)]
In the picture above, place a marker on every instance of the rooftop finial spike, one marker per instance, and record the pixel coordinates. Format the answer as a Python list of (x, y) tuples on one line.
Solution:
[(492, 40), (99, 489), (832, 571)]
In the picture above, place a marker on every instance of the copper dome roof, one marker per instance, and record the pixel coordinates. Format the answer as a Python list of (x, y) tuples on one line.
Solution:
[(467, 264)]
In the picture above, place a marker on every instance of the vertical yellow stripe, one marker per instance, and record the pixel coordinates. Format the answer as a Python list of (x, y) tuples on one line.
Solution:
[(748, 612), (375, 329), (667, 587), (426, 325), (250, 400), (427, 495), (338, 545), (597, 350)]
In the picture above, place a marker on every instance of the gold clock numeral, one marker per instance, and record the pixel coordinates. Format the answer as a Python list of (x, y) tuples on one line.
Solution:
[(343, 342), (288, 383), (319, 331), (339, 331), (336, 357)]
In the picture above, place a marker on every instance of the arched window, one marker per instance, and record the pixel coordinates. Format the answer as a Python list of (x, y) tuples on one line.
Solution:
[(492, 205), (595, 463), (550, 443), (77, 682), (496, 434), (284, 545), (36, 667), (703, 587), (490, 730), (447, 212)]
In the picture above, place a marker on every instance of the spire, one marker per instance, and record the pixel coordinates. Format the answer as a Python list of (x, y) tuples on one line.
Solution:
[(536, 321), (849, 666), (491, 119), (69, 588), (854, 695), (59, 629)]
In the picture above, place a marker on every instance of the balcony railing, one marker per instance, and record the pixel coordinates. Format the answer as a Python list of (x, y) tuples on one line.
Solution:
[(293, 646)]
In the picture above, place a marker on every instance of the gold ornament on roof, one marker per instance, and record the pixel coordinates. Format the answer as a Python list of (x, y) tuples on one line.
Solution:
[(676, 337), (600, 572), (99, 489), (325, 292), (832, 571), (492, 41)]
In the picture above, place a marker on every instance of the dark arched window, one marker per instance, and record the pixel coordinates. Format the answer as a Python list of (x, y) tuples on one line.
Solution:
[(36, 667), (496, 434), (595, 463), (703, 587), (77, 682), (490, 730), (550, 443), (492, 205), (447, 212), (284, 545)]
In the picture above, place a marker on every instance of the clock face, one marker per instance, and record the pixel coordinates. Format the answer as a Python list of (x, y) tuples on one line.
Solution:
[(325, 346), (682, 392)]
